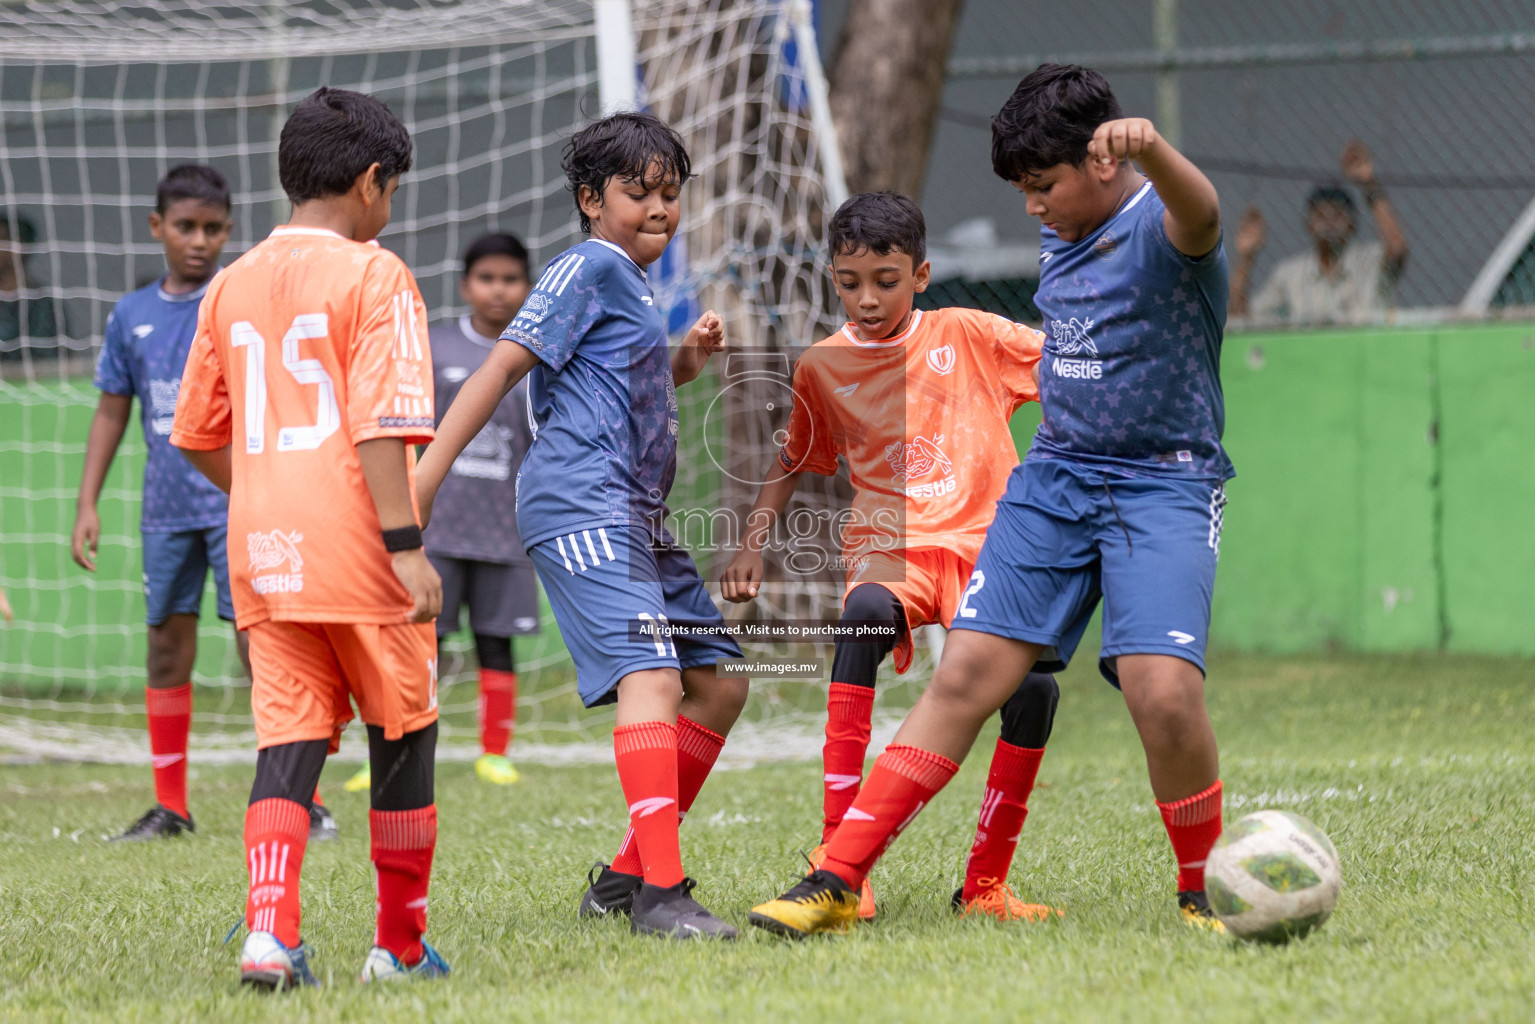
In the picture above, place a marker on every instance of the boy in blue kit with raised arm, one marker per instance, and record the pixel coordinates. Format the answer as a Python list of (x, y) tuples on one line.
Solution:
[(184, 518), (1119, 499), (591, 502)]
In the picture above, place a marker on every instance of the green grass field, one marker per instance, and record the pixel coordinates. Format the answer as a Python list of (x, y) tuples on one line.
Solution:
[(1421, 769)]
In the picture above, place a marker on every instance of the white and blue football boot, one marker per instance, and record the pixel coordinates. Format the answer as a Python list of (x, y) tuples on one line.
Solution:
[(265, 963), (382, 965)]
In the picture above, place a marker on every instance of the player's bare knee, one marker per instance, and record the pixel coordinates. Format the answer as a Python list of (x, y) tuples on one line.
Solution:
[(729, 695), (953, 689), (1168, 714), (724, 697), (170, 651), (649, 695)]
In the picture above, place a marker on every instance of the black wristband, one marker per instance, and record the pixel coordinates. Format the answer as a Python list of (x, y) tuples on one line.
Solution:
[(403, 538), (1372, 194)]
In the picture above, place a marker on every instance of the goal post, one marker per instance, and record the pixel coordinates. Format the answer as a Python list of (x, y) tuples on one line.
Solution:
[(98, 101)]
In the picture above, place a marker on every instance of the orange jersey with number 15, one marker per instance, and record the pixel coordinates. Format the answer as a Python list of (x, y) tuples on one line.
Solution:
[(305, 346)]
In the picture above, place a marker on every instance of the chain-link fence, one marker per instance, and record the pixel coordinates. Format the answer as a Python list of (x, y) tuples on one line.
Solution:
[(1265, 97)]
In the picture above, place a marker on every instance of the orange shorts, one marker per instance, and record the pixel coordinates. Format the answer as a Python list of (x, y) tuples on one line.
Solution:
[(303, 673), (929, 582)]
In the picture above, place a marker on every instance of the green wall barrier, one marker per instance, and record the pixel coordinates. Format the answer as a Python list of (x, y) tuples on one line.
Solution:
[(1486, 430), (1329, 533), (1384, 482)]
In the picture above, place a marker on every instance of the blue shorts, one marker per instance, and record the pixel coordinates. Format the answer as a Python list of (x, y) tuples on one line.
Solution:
[(176, 570), (610, 589), (1066, 535)]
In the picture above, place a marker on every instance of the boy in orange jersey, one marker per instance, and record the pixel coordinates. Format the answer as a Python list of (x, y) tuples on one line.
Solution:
[(311, 357), (918, 403)]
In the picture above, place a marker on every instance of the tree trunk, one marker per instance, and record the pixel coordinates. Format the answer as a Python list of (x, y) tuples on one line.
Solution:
[(886, 84)]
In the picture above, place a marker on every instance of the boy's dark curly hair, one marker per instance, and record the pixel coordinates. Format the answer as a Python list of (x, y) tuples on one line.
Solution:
[(629, 146), (1049, 119)]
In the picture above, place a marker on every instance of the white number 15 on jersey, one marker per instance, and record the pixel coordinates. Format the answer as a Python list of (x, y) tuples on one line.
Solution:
[(306, 327)]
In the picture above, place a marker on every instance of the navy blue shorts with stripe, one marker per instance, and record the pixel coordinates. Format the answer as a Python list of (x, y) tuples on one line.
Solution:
[(176, 572), (1066, 536), (624, 604)]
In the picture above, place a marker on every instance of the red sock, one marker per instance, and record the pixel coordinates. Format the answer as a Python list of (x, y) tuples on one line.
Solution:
[(276, 832), (498, 709), (1193, 825), (317, 800), (697, 750), (1003, 810), (403, 842), (904, 779), (646, 753), (849, 712), (170, 719)]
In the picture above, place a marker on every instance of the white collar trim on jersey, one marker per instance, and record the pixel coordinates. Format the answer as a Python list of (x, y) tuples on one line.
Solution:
[(916, 320), (195, 293), (620, 250), (1139, 195), (321, 232), (465, 325)]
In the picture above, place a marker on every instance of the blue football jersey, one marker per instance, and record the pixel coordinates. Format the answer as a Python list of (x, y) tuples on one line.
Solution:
[(1130, 377), (144, 351), (604, 407)]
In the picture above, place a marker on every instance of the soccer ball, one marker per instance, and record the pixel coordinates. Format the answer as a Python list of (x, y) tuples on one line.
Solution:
[(1272, 876)]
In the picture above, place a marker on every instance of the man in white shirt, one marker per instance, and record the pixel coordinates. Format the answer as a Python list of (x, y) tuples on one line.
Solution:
[(1339, 280)]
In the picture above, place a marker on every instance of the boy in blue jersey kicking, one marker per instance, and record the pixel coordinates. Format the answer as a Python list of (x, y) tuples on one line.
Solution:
[(591, 502), (1119, 499), (184, 517)]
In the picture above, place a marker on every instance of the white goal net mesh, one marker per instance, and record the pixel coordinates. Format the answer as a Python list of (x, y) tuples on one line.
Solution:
[(98, 100)]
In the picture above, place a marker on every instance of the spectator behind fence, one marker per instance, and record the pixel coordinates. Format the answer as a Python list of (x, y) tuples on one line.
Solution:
[(26, 317), (1339, 280)]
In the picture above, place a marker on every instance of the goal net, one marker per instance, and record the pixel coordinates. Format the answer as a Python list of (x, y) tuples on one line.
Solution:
[(98, 101)]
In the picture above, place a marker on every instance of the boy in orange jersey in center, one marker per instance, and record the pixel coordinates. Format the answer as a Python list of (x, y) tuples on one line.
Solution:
[(918, 403), (309, 378)]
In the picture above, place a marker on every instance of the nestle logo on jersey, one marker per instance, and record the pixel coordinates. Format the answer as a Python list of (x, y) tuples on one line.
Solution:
[(535, 309), (1079, 369), (919, 458), (1072, 339), (270, 551)]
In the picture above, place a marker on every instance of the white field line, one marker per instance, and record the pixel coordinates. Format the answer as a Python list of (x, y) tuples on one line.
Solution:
[(23, 741)]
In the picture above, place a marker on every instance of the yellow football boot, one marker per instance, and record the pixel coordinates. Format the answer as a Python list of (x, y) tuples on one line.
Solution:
[(866, 907), (820, 904), (496, 769), (1195, 908)]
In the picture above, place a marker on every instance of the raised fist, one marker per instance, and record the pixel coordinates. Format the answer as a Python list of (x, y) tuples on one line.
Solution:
[(1357, 163), (1125, 139)]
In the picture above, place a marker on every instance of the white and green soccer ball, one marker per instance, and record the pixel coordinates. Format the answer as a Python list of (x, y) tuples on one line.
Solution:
[(1272, 876)]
